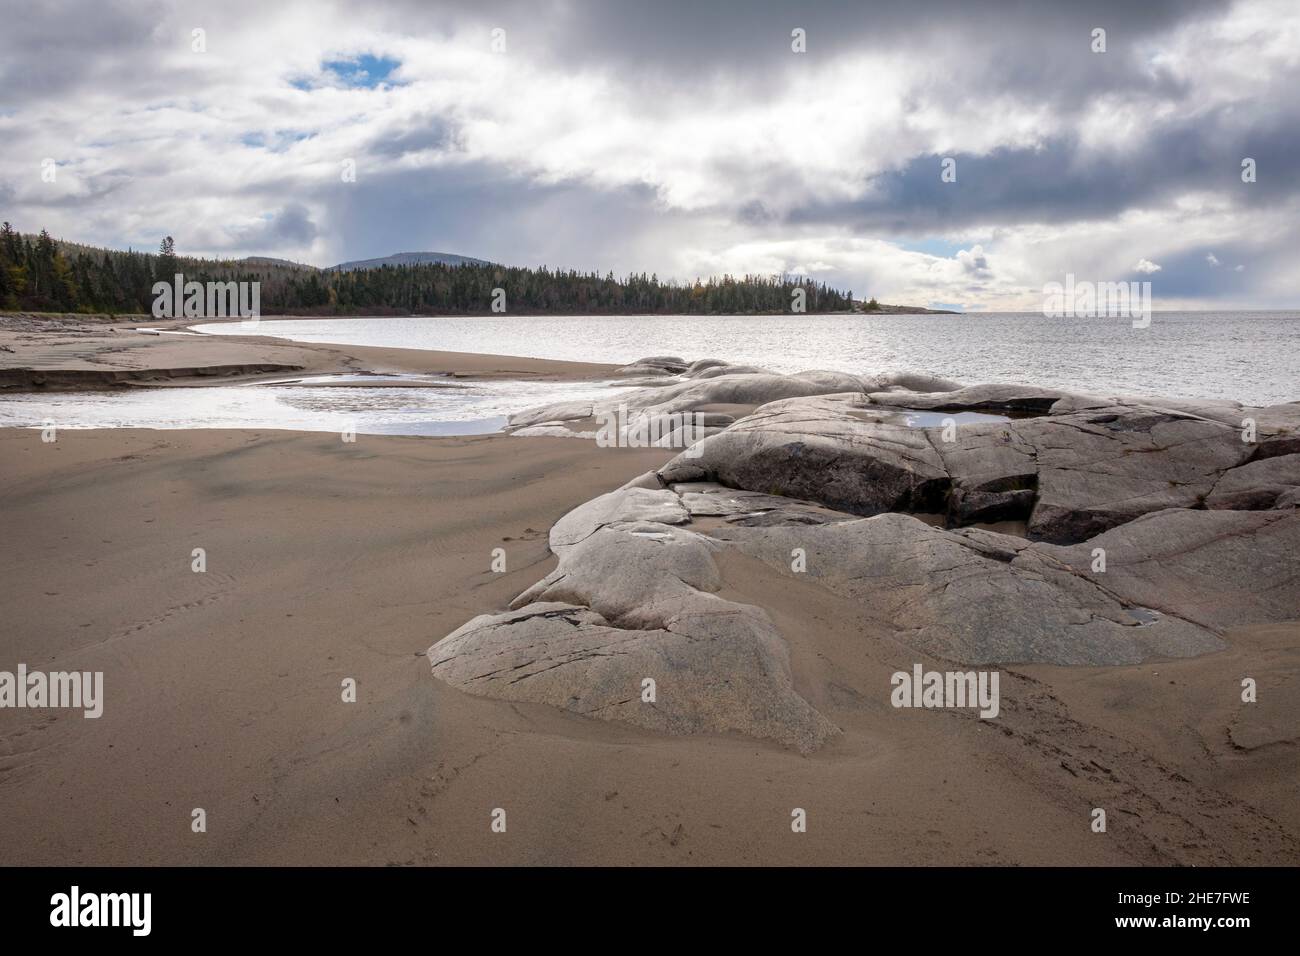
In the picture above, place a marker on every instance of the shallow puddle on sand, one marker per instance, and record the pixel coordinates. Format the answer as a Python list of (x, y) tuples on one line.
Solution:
[(395, 404)]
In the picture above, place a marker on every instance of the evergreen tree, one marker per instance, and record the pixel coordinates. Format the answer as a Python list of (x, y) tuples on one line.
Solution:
[(48, 275), (167, 259)]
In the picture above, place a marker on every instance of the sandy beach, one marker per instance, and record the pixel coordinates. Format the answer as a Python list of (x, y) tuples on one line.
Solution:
[(328, 560), (95, 352)]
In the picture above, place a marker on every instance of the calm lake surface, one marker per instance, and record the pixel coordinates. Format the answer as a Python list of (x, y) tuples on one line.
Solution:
[(1252, 357)]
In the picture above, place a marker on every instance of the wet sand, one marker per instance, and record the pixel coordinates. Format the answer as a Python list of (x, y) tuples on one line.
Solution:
[(328, 560)]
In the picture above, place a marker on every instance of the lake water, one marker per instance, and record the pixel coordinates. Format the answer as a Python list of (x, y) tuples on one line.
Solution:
[(1252, 357)]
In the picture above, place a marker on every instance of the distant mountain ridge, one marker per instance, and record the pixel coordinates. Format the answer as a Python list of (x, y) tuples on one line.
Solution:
[(397, 259), (409, 259), (273, 261)]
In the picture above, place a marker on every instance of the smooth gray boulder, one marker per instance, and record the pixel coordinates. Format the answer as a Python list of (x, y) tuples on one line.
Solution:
[(649, 480), (647, 381), (1151, 527), (1277, 429), (667, 385), (654, 365), (700, 365), (1068, 476), (627, 504), (972, 596), (555, 412), (1223, 412), (1077, 474), (1099, 469), (718, 668), (645, 373), (711, 500), (816, 450), (1217, 568), (717, 370), (1018, 398), (1255, 485), (552, 430), (740, 389), (909, 381), (685, 436), (632, 573), (993, 470), (628, 602)]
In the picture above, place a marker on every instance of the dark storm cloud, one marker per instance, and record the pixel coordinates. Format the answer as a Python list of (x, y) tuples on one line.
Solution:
[(291, 225), (1060, 182), (677, 34), (1189, 275), (428, 132), (1039, 52), (57, 46), (1043, 46), (755, 213), (52, 49)]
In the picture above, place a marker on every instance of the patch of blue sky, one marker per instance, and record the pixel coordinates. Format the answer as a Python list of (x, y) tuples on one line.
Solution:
[(275, 141), (365, 71)]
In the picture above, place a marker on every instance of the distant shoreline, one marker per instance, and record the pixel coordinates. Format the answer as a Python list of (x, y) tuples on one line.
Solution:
[(89, 352), (137, 317), (906, 310)]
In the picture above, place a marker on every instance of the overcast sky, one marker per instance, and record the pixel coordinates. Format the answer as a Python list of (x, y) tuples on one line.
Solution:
[(683, 138)]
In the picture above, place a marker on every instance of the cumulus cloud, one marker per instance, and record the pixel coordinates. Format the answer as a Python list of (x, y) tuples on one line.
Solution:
[(678, 137), (973, 261)]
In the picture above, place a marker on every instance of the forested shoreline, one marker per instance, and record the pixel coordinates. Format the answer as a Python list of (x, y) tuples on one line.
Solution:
[(41, 274)]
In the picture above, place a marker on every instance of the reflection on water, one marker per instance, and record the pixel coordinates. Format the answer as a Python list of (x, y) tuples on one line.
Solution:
[(398, 406), (402, 379), (923, 418)]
